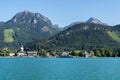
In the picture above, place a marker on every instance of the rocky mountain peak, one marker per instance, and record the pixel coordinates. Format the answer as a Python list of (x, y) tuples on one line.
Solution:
[(95, 21), (25, 17)]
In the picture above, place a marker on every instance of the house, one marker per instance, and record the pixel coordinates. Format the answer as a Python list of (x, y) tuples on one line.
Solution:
[(32, 53), (21, 54), (86, 54), (12, 54), (65, 54), (48, 54)]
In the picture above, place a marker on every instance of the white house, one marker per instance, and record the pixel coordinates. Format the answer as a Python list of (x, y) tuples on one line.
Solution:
[(31, 53), (11, 54), (65, 53), (21, 54), (48, 54), (86, 54)]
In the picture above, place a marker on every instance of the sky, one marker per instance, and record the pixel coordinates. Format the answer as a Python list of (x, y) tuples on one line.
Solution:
[(64, 12)]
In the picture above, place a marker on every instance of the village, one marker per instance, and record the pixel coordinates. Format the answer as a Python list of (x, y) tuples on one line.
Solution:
[(48, 54)]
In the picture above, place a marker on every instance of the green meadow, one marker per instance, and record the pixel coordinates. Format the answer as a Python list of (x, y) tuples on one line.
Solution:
[(8, 35)]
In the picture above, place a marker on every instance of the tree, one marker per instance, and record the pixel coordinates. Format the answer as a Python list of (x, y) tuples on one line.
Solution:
[(102, 51), (92, 54), (115, 54), (43, 52), (16, 54), (81, 53), (97, 53), (108, 52), (4, 53), (74, 53)]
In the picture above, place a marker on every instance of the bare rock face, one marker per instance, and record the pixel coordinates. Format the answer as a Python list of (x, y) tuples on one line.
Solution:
[(45, 29), (29, 17), (95, 21)]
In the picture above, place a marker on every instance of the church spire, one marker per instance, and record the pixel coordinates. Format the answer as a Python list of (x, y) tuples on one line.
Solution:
[(22, 48)]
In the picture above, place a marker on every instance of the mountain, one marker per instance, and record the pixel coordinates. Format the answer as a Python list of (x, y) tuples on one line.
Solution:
[(95, 21), (90, 20), (85, 36), (25, 27), (72, 24), (1, 22), (26, 17)]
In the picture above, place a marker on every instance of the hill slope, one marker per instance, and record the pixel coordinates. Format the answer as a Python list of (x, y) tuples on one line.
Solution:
[(80, 36), (25, 27), (90, 20)]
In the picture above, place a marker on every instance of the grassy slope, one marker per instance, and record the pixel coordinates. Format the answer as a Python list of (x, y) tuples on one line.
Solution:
[(8, 35), (115, 36)]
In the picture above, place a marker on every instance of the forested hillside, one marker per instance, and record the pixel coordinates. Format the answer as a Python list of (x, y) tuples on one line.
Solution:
[(84, 36)]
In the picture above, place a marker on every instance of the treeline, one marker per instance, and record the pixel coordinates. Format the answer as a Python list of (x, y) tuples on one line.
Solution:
[(102, 52), (5, 53), (97, 53), (106, 53)]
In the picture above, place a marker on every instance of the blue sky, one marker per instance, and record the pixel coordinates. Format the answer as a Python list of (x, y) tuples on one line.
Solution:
[(64, 12)]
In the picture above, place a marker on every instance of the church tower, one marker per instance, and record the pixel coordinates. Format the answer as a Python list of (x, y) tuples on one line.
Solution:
[(22, 49)]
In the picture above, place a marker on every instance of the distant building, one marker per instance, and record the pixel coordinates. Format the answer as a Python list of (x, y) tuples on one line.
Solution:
[(32, 53), (48, 54), (65, 53), (86, 54), (12, 54), (21, 54), (22, 48), (21, 51)]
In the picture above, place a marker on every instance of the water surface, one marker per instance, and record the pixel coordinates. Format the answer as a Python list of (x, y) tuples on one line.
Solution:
[(59, 69)]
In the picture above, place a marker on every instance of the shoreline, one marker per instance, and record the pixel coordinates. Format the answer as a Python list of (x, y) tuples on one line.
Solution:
[(60, 57)]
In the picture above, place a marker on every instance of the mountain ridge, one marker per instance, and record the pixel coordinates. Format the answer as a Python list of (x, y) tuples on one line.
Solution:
[(26, 27), (90, 20), (84, 36)]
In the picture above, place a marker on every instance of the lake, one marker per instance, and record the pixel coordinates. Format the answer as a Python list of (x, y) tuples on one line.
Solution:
[(59, 69)]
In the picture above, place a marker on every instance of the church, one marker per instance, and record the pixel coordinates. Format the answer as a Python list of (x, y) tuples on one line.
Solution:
[(21, 51)]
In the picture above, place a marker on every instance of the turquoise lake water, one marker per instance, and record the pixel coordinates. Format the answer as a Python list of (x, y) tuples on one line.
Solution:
[(59, 69)]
